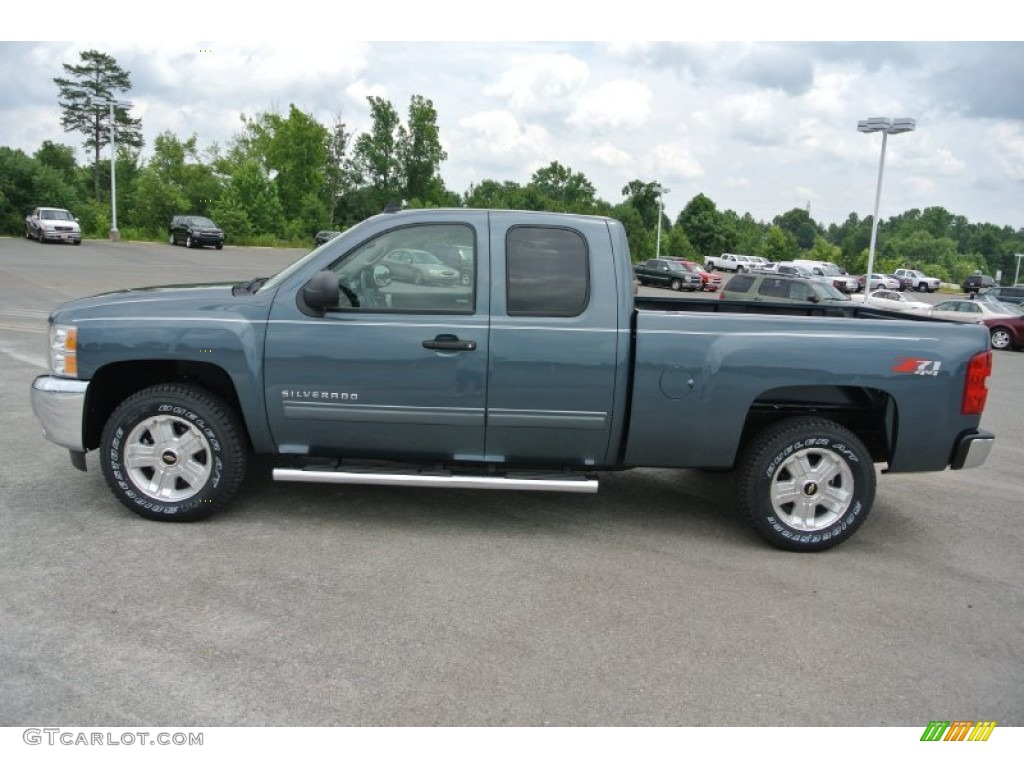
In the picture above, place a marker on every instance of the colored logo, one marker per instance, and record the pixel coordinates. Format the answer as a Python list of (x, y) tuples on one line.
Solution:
[(958, 730), (918, 366)]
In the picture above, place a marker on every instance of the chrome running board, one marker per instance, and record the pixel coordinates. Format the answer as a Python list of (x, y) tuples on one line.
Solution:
[(376, 476)]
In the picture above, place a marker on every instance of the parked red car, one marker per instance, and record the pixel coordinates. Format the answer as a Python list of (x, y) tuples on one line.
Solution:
[(712, 280), (1006, 332)]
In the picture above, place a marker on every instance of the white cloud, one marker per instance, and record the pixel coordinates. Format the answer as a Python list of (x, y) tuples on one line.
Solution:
[(612, 157), (541, 84), (498, 133), (672, 160), (1006, 144), (619, 103)]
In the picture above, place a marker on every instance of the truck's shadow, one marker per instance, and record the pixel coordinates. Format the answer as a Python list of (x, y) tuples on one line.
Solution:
[(673, 502)]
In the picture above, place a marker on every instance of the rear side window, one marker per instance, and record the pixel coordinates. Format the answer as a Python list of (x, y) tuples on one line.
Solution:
[(740, 283), (774, 287), (548, 272)]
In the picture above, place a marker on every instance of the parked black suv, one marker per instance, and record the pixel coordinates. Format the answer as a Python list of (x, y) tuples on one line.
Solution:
[(974, 283), (195, 231)]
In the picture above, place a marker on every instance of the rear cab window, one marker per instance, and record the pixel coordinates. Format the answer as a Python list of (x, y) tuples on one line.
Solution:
[(548, 272)]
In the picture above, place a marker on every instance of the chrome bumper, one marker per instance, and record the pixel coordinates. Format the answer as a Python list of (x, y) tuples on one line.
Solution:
[(59, 404), (971, 450)]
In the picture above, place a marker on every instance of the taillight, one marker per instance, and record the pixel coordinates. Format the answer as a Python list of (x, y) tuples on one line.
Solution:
[(975, 384)]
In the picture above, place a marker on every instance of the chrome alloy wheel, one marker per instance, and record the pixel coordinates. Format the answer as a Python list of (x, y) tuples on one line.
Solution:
[(168, 458), (812, 489)]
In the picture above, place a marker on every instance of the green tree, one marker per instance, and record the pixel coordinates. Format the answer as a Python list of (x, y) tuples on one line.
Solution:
[(97, 78), (779, 245), (378, 154), (643, 196), (422, 153), (798, 222), (747, 232), (823, 250), (704, 226), (566, 190), (675, 243), (339, 173)]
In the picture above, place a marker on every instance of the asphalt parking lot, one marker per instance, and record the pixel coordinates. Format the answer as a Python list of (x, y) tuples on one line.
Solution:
[(650, 603)]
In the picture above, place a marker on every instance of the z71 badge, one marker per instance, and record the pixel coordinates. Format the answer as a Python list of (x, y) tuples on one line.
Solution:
[(918, 367)]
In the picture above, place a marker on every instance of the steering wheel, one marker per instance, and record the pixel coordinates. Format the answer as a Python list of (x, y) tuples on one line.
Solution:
[(349, 293)]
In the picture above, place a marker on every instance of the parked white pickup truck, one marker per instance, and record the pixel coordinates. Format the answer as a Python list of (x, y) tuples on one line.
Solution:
[(919, 281), (731, 262)]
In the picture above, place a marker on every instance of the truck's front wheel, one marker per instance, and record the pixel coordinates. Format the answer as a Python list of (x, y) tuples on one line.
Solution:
[(806, 484), (173, 452)]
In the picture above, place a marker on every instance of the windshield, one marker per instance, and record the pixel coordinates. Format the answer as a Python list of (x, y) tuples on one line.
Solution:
[(831, 292), (294, 267), (201, 221), (56, 214)]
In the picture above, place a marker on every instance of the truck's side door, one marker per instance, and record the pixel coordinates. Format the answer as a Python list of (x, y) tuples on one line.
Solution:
[(399, 369), (554, 341)]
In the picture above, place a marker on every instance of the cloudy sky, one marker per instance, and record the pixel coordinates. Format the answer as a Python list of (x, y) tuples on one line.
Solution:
[(759, 127)]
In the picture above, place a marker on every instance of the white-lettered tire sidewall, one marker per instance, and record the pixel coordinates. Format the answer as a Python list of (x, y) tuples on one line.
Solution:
[(202, 411), (765, 456)]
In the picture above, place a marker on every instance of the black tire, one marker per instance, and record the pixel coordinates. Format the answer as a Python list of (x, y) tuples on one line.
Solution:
[(220, 246), (189, 242), (170, 239), (1001, 338), (805, 458), (173, 419), (740, 269), (78, 242), (676, 284)]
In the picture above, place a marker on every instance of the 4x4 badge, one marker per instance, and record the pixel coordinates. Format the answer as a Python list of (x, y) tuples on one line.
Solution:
[(917, 366)]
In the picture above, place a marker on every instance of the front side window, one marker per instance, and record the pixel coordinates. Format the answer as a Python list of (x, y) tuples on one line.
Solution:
[(420, 268), (548, 272)]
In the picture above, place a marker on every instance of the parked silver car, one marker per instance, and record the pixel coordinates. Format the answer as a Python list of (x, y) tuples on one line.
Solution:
[(53, 224)]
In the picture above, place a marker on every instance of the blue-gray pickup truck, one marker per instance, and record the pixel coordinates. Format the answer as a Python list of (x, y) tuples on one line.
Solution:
[(536, 368)]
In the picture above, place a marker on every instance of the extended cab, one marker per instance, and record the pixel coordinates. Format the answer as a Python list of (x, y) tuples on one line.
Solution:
[(919, 281), (539, 371), (731, 262)]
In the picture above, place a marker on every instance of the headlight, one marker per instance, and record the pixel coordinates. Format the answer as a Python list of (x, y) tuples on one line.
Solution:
[(64, 350)]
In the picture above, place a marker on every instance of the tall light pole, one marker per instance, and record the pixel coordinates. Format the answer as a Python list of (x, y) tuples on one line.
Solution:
[(885, 126), (114, 234), (661, 213), (1016, 274)]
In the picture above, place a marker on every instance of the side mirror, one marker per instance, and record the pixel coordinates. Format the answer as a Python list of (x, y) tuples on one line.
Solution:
[(320, 293), (381, 276)]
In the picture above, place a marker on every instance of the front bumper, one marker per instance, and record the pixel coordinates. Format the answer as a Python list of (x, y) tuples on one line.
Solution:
[(972, 449), (59, 404), (54, 234)]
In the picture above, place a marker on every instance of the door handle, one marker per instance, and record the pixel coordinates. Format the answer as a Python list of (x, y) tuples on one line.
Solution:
[(449, 343)]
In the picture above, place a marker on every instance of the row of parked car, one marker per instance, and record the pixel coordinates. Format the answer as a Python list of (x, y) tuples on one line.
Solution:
[(1001, 309)]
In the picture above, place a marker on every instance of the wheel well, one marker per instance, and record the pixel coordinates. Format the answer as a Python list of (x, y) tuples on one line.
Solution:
[(869, 413), (114, 383)]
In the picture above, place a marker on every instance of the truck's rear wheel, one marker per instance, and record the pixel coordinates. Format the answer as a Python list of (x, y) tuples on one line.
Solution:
[(173, 452), (806, 484)]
